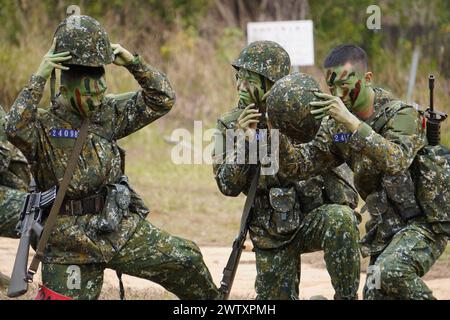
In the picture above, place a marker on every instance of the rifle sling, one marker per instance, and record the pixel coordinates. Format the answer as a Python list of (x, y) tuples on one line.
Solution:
[(249, 201), (52, 86), (230, 269), (73, 160)]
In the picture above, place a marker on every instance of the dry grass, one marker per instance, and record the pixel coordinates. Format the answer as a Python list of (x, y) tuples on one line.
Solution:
[(112, 293), (184, 199)]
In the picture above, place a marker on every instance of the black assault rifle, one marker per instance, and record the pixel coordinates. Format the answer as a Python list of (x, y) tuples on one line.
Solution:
[(30, 229), (229, 272), (434, 118)]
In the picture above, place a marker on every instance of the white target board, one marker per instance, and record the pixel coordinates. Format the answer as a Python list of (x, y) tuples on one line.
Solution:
[(297, 37)]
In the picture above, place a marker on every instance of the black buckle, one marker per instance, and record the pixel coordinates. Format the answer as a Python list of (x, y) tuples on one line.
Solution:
[(89, 205), (98, 204), (75, 208)]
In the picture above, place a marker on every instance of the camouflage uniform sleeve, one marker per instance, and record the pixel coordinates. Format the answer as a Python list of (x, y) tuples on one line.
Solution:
[(301, 161), (4, 151), (152, 102), (395, 148), (230, 176), (21, 121), (5, 158)]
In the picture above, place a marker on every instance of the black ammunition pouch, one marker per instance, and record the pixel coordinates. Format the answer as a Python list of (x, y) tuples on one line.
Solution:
[(287, 215), (400, 191), (383, 224), (333, 187), (430, 172), (339, 187), (117, 202), (310, 194), (377, 203), (391, 207)]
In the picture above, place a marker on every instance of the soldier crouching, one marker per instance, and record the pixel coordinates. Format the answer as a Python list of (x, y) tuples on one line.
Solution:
[(101, 223)]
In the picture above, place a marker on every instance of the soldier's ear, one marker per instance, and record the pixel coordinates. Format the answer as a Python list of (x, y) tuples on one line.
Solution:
[(269, 84), (368, 77)]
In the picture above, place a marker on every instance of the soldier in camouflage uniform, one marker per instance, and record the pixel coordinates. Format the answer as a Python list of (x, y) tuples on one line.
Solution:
[(378, 137), (320, 215), (14, 180), (101, 223)]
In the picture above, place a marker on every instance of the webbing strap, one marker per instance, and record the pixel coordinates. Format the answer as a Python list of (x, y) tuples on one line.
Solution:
[(121, 287), (73, 160)]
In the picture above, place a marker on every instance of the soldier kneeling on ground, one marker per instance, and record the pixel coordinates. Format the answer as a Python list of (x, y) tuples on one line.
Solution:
[(102, 222)]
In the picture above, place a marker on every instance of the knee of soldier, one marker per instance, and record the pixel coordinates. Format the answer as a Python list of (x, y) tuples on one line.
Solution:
[(342, 220), (393, 274), (190, 254), (79, 282)]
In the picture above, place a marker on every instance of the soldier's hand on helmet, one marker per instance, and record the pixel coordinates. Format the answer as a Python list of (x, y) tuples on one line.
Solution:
[(335, 108), (248, 121), (122, 56), (53, 60)]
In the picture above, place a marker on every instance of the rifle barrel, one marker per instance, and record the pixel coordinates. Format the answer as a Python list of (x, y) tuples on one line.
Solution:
[(18, 284), (431, 87)]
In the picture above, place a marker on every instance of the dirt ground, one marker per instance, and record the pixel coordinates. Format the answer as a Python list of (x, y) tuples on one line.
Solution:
[(314, 277)]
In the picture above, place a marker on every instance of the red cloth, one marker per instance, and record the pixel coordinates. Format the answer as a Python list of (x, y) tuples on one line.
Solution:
[(47, 294)]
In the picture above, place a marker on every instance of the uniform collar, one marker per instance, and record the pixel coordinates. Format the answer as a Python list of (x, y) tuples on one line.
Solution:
[(381, 98)]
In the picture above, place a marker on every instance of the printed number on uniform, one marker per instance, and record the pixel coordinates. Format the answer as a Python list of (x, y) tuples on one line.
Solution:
[(341, 137), (64, 133)]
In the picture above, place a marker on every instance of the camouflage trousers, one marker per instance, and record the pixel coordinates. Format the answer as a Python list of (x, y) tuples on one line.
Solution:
[(331, 228), (152, 254), (396, 273), (11, 203)]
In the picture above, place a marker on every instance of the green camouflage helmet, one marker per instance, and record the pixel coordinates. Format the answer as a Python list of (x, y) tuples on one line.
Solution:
[(266, 58), (86, 40), (288, 106)]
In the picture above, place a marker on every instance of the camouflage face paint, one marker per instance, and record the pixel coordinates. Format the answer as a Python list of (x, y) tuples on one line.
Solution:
[(349, 84), (250, 86), (85, 94)]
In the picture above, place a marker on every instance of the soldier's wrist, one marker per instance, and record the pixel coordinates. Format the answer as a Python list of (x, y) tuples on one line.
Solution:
[(37, 82), (353, 124), (358, 139), (135, 61)]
